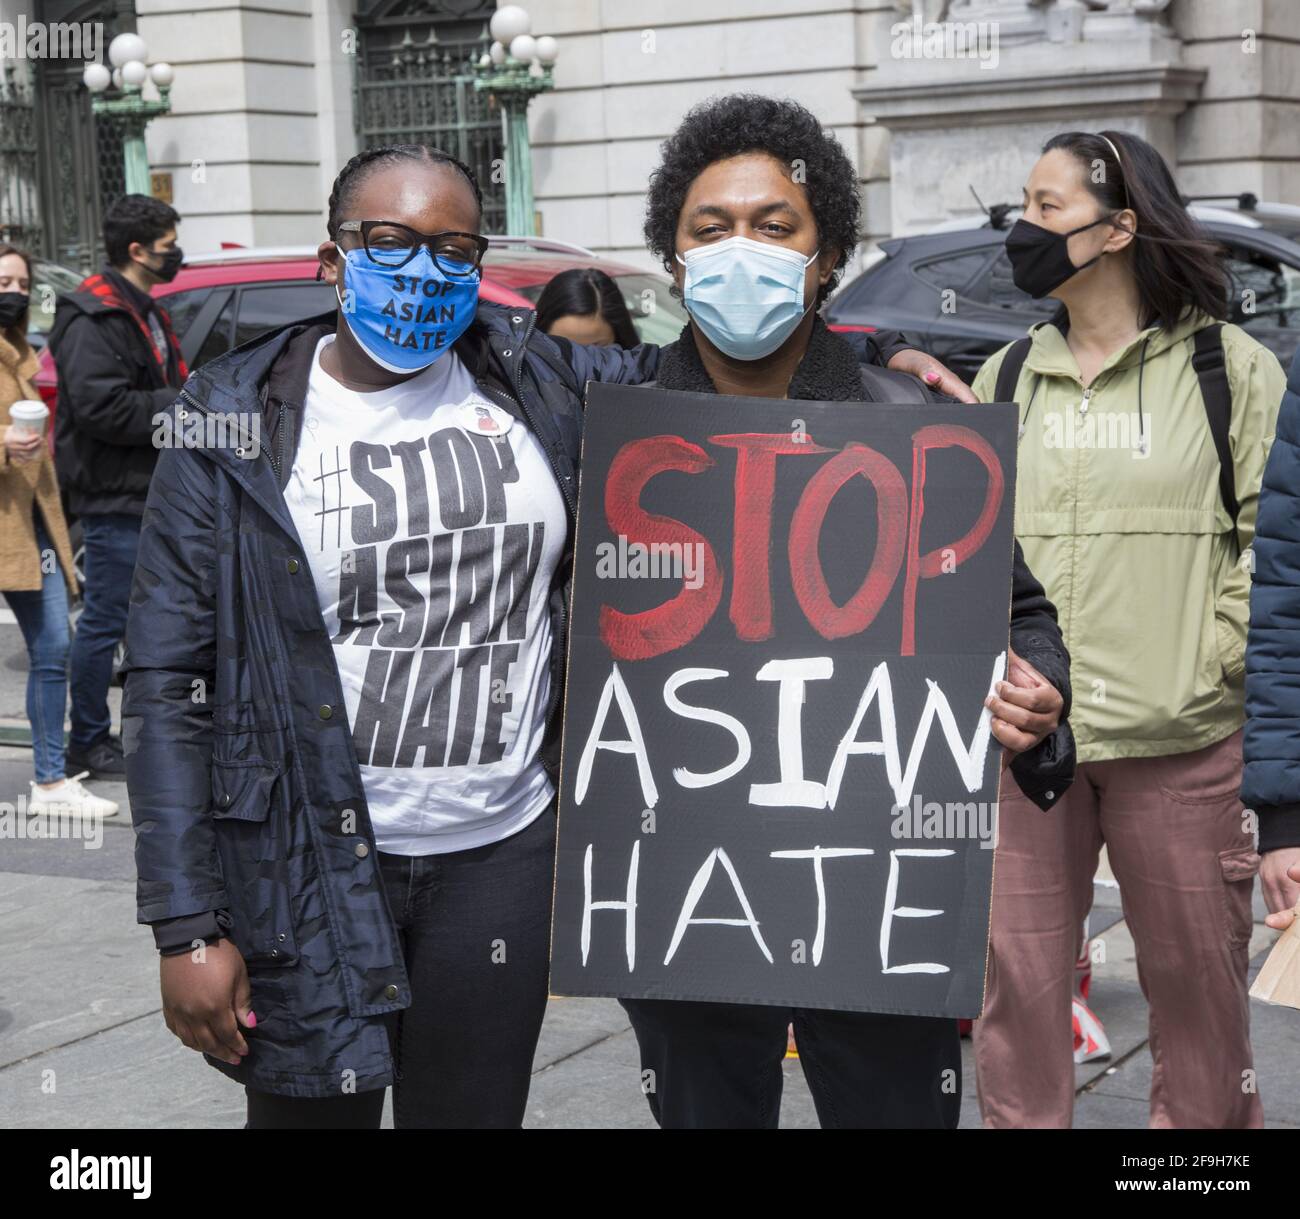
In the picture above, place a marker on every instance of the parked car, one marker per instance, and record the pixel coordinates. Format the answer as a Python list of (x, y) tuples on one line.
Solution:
[(49, 280), (1283, 218), (222, 299), (950, 290)]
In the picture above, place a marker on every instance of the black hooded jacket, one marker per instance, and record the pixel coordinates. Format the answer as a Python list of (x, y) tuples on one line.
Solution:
[(113, 381)]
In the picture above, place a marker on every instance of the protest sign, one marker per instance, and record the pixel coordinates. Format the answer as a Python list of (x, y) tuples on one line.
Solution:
[(779, 783)]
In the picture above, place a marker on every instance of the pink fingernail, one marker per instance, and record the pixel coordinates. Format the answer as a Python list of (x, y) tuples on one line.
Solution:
[(932, 376), (252, 1020)]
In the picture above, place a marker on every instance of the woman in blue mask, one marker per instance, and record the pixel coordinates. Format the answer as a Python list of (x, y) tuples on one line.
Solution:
[(344, 674), (754, 210)]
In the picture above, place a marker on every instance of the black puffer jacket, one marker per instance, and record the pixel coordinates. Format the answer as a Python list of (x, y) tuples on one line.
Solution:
[(112, 384), (244, 784)]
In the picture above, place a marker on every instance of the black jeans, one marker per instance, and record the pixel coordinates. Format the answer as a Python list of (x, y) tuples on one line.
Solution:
[(718, 1065), (475, 932)]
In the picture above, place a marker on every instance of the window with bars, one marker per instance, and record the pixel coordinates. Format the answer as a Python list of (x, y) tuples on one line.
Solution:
[(414, 85)]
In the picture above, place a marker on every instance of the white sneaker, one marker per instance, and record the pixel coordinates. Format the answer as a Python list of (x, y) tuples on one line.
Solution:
[(69, 798)]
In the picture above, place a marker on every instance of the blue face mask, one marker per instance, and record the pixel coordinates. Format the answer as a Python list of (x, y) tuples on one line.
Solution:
[(406, 317), (747, 296)]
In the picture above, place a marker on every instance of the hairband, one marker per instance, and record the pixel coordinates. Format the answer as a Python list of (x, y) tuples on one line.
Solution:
[(1123, 181)]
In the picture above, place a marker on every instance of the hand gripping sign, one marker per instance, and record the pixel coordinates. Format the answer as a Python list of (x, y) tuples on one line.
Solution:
[(779, 782)]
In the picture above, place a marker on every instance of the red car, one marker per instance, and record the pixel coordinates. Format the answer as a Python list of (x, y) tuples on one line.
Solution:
[(220, 300)]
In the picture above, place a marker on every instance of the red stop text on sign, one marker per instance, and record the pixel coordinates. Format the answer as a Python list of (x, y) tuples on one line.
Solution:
[(899, 515)]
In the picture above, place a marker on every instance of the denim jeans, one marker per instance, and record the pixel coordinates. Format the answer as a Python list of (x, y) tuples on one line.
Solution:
[(475, 929), (43, 619), (111, 541)]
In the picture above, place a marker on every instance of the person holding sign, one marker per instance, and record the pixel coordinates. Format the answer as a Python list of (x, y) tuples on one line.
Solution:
[(754, 209), (1145, 426), (344, 667)]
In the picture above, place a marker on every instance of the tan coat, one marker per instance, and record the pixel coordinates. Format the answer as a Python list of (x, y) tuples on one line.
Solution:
[(23, 482)]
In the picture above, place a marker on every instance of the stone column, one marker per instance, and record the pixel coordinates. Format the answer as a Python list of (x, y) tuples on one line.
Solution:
[(970, 100)]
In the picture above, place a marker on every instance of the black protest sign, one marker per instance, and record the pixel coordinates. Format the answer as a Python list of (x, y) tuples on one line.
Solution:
[(779, 781)]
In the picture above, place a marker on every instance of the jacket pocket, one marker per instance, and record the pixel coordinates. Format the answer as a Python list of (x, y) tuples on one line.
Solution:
[(1231, 650), (251, 841)]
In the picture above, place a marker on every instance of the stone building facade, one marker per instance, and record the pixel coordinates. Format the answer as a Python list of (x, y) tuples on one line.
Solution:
[(931, 98)]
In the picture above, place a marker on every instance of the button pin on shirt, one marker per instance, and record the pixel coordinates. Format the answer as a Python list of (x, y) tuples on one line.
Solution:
[(484, 419)]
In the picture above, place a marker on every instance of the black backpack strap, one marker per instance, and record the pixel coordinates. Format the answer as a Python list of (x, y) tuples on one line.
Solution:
[(1009, 370), (1212, 373)]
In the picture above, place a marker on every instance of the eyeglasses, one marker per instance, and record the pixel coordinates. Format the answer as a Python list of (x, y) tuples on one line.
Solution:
[(389, 244)]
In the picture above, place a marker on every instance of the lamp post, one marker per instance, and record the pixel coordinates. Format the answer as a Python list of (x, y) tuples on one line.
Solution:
[(514, 70), (127, 108)]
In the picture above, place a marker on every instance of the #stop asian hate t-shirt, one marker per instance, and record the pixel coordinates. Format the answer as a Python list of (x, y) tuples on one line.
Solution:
[(433, 526)]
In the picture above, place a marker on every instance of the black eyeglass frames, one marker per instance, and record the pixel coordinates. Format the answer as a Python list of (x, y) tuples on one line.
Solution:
[(393, 245)]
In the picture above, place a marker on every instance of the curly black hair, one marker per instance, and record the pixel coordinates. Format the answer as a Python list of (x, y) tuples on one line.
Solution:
[(368, 159), (749, 122)]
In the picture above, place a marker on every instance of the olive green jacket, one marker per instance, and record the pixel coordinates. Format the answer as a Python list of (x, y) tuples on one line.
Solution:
[(1119, 512)]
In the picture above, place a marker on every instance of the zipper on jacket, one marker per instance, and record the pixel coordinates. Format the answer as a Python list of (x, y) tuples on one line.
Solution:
[(277, 466), (187, 397)]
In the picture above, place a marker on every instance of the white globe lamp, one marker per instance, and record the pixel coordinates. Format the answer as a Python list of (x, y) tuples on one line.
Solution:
[(125, 48), (508, 23)]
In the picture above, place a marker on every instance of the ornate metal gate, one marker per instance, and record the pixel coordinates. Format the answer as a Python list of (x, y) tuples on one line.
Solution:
[(414, 85), (20, 212), (81, 169)]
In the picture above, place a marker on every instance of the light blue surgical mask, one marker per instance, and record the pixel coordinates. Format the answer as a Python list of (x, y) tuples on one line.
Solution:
[(746, 295)]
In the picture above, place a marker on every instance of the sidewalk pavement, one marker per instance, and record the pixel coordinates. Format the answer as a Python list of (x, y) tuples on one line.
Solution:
[(83, 1044)]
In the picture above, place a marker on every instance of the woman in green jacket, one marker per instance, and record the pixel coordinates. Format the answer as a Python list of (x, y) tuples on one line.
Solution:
[(1141, 536)]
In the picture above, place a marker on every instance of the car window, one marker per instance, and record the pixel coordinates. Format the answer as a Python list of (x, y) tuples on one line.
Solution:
[(265, 308), (217, 342), (953, 270), (182, 307), (49, 280), (1265, 291), (657, 315), (997, 290)]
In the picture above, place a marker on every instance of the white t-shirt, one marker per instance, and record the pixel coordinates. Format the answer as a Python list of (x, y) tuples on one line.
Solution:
[(433, 526)]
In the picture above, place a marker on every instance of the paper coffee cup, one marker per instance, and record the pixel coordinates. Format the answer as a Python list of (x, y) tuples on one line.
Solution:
[(29, 416)]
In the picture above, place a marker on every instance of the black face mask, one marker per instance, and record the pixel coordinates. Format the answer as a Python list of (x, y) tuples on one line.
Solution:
[(171, 263), (1040, 258), (12, 307)]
